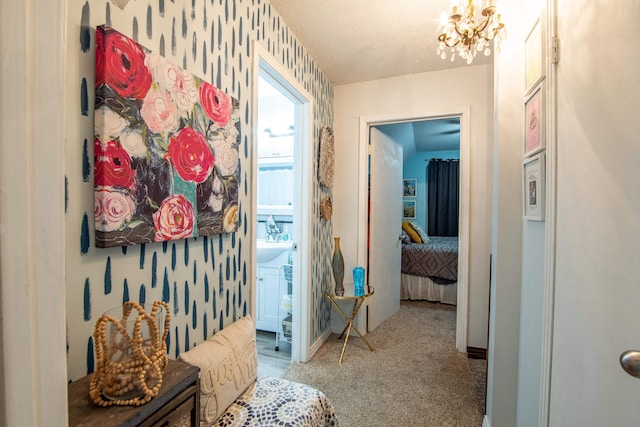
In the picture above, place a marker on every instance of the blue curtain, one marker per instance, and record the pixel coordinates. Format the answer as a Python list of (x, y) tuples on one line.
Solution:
[(443, 197)]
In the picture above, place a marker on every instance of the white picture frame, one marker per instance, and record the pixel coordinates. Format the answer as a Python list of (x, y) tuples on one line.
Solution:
[(535, 121), (409, 208), (409, 187), (535, 55), (534, 187)]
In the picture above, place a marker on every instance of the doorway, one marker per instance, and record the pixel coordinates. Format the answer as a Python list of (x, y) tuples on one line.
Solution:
[(280, 219), (364, 256)]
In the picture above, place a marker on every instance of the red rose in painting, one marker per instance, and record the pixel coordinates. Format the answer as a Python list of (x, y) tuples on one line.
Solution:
[(112, 165), (174, 219), (99, 56), (216, 104), (190, 154), (120, 64)]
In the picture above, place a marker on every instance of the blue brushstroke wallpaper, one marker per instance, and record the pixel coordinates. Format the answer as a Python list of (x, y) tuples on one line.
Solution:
[(204, 279)]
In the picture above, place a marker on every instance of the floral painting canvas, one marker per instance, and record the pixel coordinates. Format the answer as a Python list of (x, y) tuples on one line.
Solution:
[(165, 148)]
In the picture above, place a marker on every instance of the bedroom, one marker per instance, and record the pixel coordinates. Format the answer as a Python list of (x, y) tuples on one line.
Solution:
[(430, 170)]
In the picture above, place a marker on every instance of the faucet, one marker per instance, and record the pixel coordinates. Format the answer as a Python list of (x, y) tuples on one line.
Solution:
[(273, 231)]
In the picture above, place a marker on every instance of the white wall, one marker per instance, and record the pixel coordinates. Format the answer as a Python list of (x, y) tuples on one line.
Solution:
[(514, 374), (415, 94)]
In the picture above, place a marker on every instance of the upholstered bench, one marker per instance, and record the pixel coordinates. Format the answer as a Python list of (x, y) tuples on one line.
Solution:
[(231, 393)]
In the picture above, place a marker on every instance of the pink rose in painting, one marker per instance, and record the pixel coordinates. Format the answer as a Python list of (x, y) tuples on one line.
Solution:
[(190, 155), (113, 209), (120, 64), (225, 147), (216, 104), (159, 112), (177, 81), (174, 219), (112, 166)]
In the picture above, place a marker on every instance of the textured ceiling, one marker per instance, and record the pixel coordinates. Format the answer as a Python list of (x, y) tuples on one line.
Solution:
[(360, 40)]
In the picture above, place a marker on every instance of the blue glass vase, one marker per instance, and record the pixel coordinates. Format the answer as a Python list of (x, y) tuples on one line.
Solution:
[(358, 281)]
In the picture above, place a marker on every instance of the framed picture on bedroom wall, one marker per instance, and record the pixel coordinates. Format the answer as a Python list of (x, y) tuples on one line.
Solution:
[(409, 187), (409, 208), (534, 195)]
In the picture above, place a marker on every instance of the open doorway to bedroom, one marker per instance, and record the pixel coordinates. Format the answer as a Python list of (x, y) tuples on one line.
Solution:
[(377, 254), (435, 197), (430, 206)]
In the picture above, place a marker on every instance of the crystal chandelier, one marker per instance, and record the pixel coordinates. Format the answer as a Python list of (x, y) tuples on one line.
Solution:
[(466, 35)]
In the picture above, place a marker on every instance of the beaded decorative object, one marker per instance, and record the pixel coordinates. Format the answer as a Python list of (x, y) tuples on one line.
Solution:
[(129, 365)]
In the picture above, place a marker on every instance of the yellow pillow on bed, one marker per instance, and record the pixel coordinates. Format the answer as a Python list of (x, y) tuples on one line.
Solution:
[(415, 237)]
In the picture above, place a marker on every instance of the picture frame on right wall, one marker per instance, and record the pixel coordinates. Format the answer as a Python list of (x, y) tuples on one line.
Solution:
[(535, 126), (534, 187), (534, 53)]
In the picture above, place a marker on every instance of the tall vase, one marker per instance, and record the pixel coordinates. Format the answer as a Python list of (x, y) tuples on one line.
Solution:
[(338, 267)]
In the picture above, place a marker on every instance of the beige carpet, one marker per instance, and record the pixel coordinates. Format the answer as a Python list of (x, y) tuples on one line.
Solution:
[(415, 376)]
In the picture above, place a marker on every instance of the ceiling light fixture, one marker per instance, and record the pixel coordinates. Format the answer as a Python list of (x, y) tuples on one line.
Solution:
[(466, 35)]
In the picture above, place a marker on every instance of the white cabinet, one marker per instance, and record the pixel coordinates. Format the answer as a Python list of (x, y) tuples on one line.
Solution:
[(275, 147), (268, 299)]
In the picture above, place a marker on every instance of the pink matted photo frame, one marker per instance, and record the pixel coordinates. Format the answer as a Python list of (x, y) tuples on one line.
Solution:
[(534, 137)]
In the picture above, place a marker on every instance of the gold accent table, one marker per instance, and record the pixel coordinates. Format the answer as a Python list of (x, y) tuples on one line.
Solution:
[(357, 303)]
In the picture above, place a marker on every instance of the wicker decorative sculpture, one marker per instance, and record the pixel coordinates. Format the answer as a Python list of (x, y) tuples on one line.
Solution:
[(131, 355), (325, 164)]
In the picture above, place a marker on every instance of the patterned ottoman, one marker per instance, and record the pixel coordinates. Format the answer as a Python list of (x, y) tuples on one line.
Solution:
[(231, 393)]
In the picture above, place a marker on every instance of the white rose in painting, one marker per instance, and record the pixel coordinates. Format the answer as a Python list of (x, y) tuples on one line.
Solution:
[(107, 124), (178, 82), (112, 209), (217, 195), (225, 148), (131, 141)]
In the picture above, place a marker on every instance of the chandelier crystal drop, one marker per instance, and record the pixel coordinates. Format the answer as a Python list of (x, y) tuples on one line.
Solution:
[(467, 35)]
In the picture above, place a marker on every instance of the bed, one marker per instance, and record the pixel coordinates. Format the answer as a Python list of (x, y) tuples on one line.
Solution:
[(430, 270)]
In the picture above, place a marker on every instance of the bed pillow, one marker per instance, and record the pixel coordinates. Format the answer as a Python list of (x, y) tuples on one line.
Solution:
[(423, 236), (405, 237), (228, 365), (415, 237)]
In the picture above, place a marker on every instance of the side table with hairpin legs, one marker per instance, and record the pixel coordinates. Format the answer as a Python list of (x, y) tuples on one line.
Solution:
[(357, 303)]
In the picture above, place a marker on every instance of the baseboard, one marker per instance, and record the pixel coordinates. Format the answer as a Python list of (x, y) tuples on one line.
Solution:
[(485, 422), (477, 353), (318, 342)]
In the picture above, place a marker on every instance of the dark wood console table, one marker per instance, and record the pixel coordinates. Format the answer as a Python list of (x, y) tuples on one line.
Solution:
[(177, 403)]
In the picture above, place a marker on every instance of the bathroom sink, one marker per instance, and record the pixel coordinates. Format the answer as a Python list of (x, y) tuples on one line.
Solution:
[(266, 251)]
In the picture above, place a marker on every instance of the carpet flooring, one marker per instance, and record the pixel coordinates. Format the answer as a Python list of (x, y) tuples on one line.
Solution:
[(415, 376)]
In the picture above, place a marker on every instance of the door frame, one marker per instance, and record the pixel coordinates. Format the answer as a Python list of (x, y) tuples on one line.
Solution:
[(303, 167), (464, 113)]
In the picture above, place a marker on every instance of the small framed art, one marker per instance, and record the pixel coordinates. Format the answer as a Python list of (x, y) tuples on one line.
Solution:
[(534, 108), (534, 53), (534, 195), (409, 187), (409, 208)]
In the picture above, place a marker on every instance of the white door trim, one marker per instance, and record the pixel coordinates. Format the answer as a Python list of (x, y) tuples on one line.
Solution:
[(302, 232), (32, 205), (550, 219), (463, 242)]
